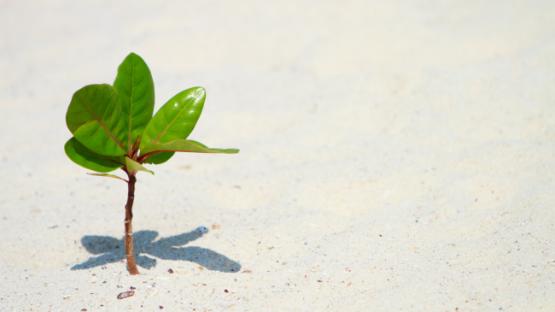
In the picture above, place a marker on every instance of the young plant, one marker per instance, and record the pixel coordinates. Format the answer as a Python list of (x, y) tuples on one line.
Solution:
[(113, 127)]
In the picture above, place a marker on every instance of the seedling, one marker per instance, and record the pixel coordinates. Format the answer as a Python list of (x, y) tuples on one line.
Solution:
[(113, 127)]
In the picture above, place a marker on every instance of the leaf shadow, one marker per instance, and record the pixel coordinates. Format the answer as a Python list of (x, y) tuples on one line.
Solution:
[(107, 249)]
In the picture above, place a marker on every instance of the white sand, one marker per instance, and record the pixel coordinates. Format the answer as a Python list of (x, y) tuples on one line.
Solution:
[(395, 156)]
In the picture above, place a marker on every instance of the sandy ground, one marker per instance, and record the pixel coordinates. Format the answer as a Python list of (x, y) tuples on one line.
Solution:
[(395, 156)]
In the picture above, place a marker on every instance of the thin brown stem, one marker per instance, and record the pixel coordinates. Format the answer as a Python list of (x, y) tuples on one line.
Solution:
[(131, 264)]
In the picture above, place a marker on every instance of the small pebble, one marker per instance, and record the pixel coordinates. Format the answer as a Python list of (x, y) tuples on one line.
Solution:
[(126, 294)]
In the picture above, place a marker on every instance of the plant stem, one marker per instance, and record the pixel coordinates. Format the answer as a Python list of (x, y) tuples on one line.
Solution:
[(131, 265)]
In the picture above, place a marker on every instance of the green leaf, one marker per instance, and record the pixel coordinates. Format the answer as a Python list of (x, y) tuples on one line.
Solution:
[(133, 166), (136, 91), (189, 146), (94, 117), (97, 138), (88, 159), (175, 119), (159, 158)]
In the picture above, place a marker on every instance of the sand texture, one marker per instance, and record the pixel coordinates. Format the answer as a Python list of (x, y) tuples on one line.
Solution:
[(395, 156)]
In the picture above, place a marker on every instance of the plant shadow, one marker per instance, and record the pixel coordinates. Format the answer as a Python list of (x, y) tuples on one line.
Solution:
[(107, 249)]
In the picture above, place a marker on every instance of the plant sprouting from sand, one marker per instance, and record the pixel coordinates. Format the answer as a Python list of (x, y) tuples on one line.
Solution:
[(113, 127)]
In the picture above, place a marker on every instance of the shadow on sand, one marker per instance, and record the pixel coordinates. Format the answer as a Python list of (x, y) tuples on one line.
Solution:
[(109, 250)]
